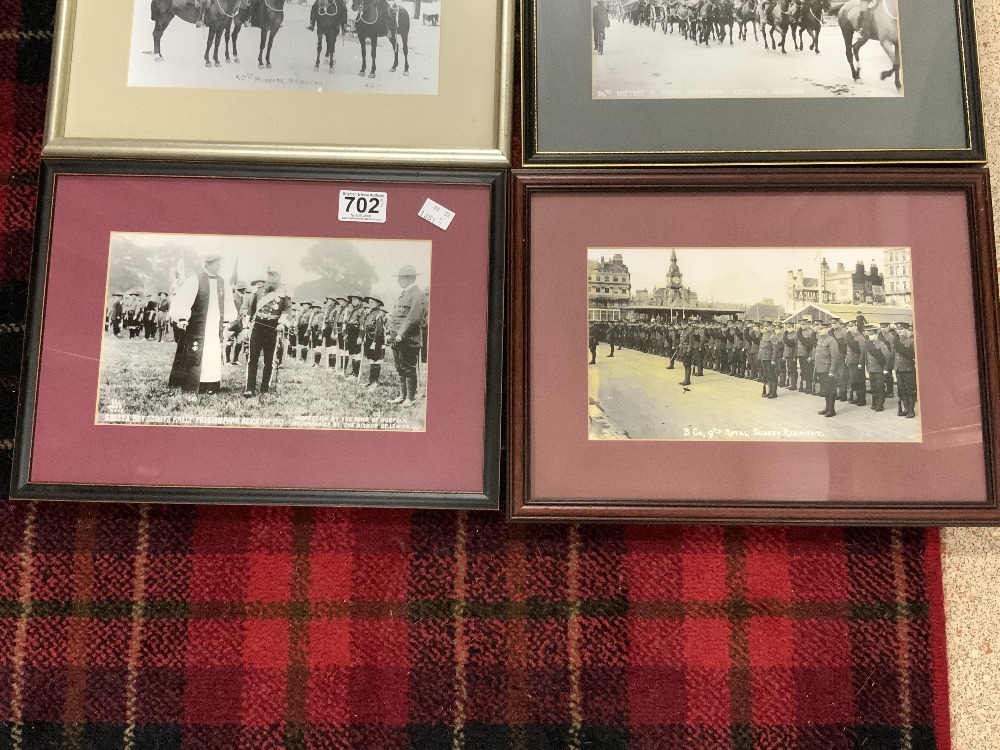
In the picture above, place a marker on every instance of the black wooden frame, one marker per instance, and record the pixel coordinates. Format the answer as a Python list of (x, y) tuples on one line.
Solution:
[(972, 97), (972, 183), (23, 488)]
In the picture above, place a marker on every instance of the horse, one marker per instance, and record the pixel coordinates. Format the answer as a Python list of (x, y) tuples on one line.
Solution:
[(746, 13), (241, 19), (783, 16), (162, 12), (884, 16), (270, 16), (402, 24), (811, 20), (375, 19), (725, 18), (331, 20), (219, 17), (708, 15)]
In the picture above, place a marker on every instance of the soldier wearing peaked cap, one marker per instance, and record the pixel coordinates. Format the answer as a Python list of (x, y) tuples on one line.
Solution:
[(905, 365), (404, 333), (267, 311), (116, 312), (373, 330)]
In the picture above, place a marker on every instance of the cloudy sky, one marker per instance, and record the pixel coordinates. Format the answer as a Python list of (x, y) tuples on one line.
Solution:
[(743, 275), (256, 254)]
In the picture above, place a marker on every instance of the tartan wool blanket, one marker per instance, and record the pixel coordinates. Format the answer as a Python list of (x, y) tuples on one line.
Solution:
[(137, 626)]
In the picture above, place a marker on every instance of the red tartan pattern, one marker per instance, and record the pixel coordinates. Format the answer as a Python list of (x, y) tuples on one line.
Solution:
[(328, 628), (253, 628)]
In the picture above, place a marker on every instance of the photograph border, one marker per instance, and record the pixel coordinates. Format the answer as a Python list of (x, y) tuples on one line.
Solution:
[(57, 145), (972, 184), (974, 152), (488, 499)]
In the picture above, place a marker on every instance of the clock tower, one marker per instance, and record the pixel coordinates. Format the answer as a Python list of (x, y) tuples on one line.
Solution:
[(675, 278)]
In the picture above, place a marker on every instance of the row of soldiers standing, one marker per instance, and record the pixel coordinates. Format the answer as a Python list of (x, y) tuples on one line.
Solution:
[(829, 359), (148, 318)]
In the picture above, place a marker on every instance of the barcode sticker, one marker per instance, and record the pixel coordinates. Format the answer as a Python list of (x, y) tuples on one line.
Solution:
[(436, 214)]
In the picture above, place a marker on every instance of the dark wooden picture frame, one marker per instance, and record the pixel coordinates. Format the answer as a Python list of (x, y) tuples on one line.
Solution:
[(488, 498), (733, 148), (973, 185)]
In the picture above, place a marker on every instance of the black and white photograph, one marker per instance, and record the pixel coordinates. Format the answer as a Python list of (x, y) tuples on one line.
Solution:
[(746, 49), (343, 46), (773, 344), (238, 331)]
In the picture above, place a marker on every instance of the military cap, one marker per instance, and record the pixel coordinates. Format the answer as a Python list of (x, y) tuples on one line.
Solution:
[(256, 281), (117, 294), (355, 298), (406, 270), (133, 294), (904, 325), (212, 257), (162, 293), (316, 305), (374, 301), (331, 297)]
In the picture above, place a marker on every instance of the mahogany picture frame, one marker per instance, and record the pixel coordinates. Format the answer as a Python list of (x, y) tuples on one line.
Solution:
[(525, 504), (486, 192)]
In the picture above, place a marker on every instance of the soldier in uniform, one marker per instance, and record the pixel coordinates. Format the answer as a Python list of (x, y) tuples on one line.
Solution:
[(697, 353), (404, 333), (825, 358), (293, 329), (887, 335), (162, 315), (302, 325), (790, 376), (854, 367), (133, 314), (330, 314), (905, 366), (839, 332), (777, 357), (877, 364), (805, 340), (115, 314), (352, 333), (593, 340), (685, 348), (315, 334), (373, 331), (765, 356), (267, 310)]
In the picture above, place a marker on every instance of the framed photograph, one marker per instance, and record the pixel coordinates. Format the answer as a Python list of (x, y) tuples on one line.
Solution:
[(344, 81), (215, 334), (766, 346), (634, 82)]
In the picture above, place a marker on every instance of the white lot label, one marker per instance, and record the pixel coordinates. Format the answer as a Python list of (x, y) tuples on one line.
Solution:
[(360, 206), (436, 214)]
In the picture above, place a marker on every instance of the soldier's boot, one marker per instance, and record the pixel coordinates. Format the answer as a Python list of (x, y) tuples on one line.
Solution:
[(899, 406), (304, 353), (331, 360), (831, 403), (356, 367), (861, 401), (374, 372), (411, 387), (229, 351), (911, 404), (237, 348), (402, 392), (763, 390), (773, 392), (842, 394), (317, 358)]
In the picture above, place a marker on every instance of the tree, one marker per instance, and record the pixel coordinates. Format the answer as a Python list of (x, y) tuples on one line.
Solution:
[(341, 268), (145, 269), (764, 309)]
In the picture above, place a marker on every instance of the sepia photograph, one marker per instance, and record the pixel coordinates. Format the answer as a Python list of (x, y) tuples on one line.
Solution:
[(775, 344), (237, 331), (746, 49), (344, 46)]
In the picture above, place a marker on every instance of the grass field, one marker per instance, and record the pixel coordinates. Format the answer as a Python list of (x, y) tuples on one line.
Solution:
[(134, 390)]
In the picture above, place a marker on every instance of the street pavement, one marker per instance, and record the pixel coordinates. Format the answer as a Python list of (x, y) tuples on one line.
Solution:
[(641, 63), (633, 395)]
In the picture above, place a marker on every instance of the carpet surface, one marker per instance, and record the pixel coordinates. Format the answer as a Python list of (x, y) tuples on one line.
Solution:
[(138, 626)]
